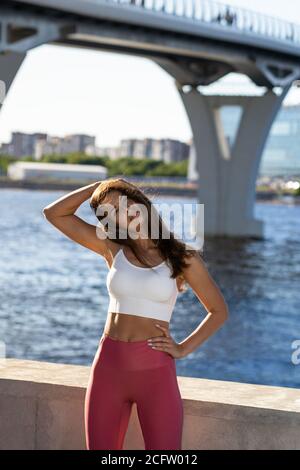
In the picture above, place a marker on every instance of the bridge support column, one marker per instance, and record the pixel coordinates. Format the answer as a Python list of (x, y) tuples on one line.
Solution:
[(227, 175), (10, 62)]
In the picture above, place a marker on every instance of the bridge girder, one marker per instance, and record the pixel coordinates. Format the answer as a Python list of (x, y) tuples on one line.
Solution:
[(190, 61)]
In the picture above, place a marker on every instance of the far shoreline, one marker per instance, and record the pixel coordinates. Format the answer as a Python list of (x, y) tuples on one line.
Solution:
[(152, 189)]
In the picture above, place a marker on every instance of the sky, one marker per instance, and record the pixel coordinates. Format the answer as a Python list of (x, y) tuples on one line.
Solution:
[(60, 90)]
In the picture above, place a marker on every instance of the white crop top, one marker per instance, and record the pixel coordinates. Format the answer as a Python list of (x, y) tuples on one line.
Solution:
[(145, 292)]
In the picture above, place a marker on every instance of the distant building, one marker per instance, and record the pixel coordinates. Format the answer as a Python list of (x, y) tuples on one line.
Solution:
[(282, 152), (6, 149), (111, 152), (54, 171), (174, 150), (281, 156), (127, 147), (63, 145), (167, 150), (39, 144), (148, 151), (157, 150), (22, 144)]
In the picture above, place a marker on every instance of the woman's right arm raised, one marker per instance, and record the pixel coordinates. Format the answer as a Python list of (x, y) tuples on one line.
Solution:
[(61, 214)]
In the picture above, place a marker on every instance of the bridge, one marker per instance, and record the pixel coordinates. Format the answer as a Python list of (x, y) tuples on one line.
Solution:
[(197, 42)]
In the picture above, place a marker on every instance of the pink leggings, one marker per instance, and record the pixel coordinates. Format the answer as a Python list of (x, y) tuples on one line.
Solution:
[(124, 372)]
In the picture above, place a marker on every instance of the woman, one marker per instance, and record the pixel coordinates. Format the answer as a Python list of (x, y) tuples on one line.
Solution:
[(135, 359)]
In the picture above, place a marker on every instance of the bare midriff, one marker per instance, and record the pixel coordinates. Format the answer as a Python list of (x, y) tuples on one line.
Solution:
[(126, 327)]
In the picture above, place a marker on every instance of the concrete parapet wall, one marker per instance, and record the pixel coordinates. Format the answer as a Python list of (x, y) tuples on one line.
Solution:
[(42, 407)]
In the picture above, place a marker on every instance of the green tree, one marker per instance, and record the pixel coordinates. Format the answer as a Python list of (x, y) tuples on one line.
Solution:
[(127, 166)]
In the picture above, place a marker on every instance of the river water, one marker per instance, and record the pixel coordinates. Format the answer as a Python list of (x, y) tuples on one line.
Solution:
[(53, 298)]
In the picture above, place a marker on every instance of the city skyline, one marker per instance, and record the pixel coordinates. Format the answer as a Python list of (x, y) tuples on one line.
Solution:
[(280, 156), (38, 144), (39, 131), (227, 124)]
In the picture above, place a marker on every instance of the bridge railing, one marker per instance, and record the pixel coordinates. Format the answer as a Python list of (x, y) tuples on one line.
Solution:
[(220, 14)]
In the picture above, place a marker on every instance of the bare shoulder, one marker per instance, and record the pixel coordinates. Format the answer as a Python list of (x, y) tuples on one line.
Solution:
[(195, 264)]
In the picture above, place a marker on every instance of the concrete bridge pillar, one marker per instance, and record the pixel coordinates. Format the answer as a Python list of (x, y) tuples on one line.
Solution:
[(10, 62), (227, 174)]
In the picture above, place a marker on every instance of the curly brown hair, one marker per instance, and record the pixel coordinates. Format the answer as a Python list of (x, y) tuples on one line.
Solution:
[(173, 250)]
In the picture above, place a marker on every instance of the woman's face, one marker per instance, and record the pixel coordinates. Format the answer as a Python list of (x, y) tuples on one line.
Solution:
[(120, 210)]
